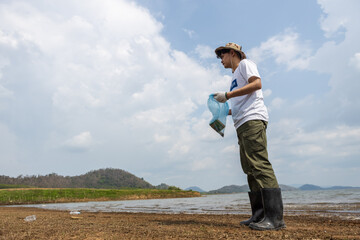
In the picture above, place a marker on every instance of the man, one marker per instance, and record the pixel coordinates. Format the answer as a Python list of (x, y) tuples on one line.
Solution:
[(250, 119)]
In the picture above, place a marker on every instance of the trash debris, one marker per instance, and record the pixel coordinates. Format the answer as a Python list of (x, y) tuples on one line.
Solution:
[(75, 212), (219, 111), (30, 218)]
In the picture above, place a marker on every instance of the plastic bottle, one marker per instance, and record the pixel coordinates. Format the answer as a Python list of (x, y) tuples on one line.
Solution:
[(30, 218), (74, 212)]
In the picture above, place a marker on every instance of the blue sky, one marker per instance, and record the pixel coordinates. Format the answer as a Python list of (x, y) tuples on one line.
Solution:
[(124, 84)]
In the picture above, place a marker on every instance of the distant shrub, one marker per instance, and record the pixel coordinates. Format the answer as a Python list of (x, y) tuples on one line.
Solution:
[(7, 186)]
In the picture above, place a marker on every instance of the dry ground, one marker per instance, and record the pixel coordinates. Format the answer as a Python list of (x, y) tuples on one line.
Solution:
[(60, 225)]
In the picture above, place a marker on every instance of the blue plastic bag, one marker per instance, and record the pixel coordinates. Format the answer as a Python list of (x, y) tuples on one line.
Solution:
[(219, 111)]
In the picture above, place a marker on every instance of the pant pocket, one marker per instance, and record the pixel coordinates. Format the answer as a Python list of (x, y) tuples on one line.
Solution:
[(255, 139)]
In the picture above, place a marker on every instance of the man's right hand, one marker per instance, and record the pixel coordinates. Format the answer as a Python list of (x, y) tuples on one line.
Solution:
[(220, 97)]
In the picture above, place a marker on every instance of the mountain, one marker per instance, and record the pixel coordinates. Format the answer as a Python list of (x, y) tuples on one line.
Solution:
[(341, 187), (103, 178), (287, 188), (245, 188), (196, 189), (231, 189), (310, 187)]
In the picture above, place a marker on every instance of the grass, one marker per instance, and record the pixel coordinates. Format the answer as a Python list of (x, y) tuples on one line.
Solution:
[(61, 195), (7, 186)]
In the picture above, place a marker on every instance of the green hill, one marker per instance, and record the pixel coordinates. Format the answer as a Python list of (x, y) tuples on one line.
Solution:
[(103, 178)]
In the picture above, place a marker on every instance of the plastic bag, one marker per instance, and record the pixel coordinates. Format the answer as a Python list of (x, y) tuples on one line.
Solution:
[(219, 112)]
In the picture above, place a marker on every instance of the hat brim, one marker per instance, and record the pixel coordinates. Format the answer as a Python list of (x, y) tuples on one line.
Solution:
[(219, 49)]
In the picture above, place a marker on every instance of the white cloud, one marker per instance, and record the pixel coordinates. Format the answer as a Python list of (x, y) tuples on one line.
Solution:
[(203, 164), (103, 72), (231, 149), (204, 51), (267, 93), (189, 32), (179, 149), (3, 63), (8, 146), (277, 103), (355, 61), (7, 39), (80, 142), (338, 16), (5, 93), (339, 60), (160, 138), (285, 48), (321, 147), (107, 69)]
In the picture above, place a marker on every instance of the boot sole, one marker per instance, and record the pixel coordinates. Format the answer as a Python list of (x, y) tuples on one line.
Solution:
[(244, 223), (267, 229)]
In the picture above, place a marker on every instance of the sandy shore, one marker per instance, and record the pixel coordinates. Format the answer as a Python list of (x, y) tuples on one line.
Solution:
[(50, 224)]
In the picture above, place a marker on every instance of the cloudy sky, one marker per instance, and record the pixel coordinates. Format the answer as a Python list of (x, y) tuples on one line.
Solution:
[(124, 84)]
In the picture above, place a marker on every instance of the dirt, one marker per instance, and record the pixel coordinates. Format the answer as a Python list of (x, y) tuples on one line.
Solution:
[(50, 224)]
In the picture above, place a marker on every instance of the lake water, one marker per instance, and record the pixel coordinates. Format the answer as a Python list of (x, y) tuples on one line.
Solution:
[(342, 203)]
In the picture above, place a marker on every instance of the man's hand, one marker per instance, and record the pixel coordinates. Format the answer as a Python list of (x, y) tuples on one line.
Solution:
[(220, 97)]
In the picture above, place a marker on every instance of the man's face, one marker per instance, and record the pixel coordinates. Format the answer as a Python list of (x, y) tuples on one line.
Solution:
[(225, 59)]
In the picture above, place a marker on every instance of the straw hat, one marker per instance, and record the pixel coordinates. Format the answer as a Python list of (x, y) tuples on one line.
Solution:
[(229, 46)]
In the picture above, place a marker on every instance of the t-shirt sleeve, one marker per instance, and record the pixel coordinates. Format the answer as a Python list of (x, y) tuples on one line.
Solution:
[(249, 69)]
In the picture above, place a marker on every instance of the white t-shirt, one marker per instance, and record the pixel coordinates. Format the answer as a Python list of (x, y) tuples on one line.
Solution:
[(250, 106)]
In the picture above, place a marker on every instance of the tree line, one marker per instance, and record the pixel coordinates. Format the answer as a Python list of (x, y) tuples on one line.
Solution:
[(108, 178)]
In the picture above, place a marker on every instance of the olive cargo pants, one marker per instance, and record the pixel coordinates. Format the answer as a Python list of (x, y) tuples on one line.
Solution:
[(254, 156)]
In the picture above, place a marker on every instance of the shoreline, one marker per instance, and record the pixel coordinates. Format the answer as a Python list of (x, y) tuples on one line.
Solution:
[(315, 212), (69, 195), (200, 205), (56, 224)]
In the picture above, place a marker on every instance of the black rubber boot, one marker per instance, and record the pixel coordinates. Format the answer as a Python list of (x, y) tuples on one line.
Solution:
[(256, 208), (273, 210)]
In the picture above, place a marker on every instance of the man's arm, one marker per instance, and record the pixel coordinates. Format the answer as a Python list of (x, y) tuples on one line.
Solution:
[(254, 85)]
